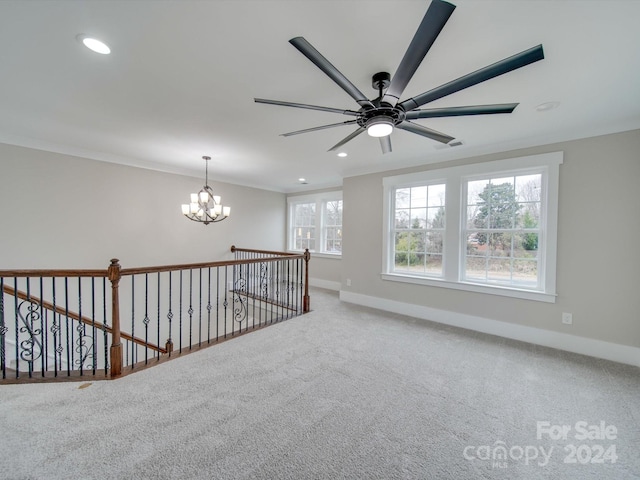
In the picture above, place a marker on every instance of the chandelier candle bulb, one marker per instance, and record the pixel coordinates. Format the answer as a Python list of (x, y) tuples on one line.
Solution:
[(186, 209), (226, 211), (217, 209), (194, 198), (204, 197)]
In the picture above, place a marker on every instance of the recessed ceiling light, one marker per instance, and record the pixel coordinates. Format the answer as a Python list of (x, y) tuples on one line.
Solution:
[(302, 180), (342, 154), (543, 107), (94, 44)]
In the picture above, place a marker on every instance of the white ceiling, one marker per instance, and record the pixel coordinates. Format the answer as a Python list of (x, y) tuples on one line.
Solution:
[(182, 76)]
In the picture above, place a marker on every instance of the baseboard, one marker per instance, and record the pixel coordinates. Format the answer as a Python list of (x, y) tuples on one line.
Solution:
[(327, 284), (547, 338)]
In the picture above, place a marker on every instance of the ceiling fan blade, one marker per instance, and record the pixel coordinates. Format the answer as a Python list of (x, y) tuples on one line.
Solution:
[(424, 131), (461, 111), (325, 65), (346, 139), (503, 66), (385, 144), (432, 24), (314, 129), (304, 105)]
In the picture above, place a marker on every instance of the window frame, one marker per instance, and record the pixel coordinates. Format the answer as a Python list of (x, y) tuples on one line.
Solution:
[(454, 244), (320, 200)]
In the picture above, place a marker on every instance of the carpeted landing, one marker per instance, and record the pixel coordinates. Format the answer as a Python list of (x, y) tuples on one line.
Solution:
[(345, 392)]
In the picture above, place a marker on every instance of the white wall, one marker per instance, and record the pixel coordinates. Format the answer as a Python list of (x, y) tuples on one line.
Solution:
[(598, 251), (59, 211)]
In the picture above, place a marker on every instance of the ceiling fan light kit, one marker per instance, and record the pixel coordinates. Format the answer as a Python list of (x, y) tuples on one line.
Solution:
[(379, 126), (382, 115)]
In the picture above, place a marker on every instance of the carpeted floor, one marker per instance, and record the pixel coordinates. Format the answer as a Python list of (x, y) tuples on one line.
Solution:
[(344, 392)]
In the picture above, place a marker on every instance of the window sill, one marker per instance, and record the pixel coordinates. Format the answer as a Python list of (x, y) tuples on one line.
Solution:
[(473, 287)]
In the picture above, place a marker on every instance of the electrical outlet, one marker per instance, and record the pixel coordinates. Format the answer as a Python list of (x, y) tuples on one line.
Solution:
[(567, 318), (348, 282)]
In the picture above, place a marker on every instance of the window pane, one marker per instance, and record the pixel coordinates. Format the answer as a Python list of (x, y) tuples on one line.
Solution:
[(474, 189), (418, 218), (402, 218), (434, 242), (435, 217), (418, 197), (525, 272), (436, 195), (499, 270), (528, 188), (403, 196)]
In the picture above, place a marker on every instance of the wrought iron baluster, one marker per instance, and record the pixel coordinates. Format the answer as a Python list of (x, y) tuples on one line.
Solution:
[(170, 318), (190, 311), (66, 314), (104, 323), (217, 303), (133, 324), (200, 309), (209, 306), (3, 332), (180, 312), (156, 353), (43, 333), (225, 303), (239, 291), (146, 319), (94, 348)]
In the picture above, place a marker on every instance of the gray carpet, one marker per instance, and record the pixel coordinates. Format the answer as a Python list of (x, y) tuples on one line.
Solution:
[(343, 392)]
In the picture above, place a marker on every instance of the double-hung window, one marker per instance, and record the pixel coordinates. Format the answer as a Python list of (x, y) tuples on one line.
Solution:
[(315, 222), (487, 227)]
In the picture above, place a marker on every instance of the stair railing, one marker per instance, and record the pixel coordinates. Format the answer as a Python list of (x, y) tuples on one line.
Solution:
[(65, 324)]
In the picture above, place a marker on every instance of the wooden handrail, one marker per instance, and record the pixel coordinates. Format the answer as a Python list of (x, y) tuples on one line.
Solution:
[(74, 316), (190, 266), (267, 252), (53, 273)]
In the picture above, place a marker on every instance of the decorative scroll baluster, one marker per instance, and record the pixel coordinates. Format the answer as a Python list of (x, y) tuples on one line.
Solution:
[(240, 312)]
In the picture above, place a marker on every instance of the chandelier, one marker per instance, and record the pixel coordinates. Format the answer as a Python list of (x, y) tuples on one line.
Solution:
[(205, 207)]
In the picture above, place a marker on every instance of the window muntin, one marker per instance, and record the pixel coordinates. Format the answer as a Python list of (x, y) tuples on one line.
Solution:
[(315, 222), (419, 222)]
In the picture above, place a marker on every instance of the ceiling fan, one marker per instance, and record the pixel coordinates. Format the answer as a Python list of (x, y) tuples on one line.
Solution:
[(381, 115)]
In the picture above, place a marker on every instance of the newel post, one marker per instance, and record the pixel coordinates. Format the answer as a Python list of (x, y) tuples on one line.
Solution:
[(306, 302), (113, 273)]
